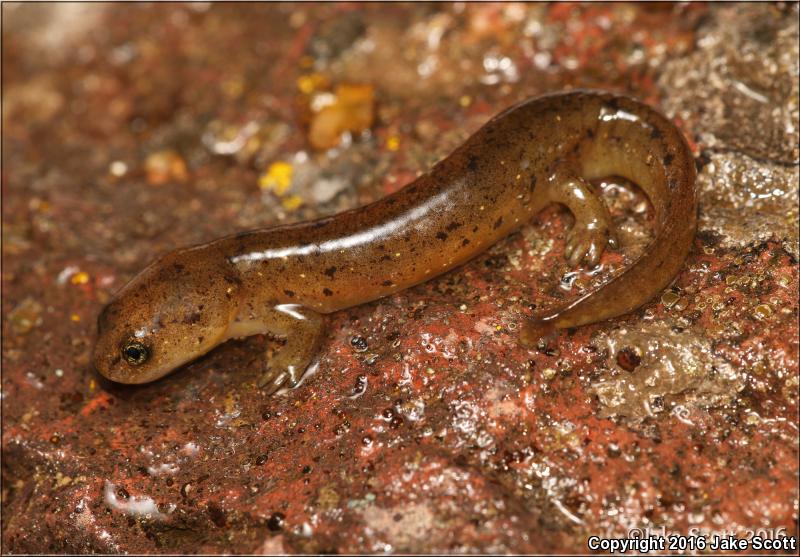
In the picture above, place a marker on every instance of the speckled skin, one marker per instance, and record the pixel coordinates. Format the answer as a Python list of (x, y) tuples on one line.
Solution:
[(282, 280)]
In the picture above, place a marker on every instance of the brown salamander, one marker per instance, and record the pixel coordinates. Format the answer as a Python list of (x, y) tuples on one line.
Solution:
[(283, 280)]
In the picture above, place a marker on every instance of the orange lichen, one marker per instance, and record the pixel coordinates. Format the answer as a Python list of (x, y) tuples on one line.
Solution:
[(164, 167), (352, 109)]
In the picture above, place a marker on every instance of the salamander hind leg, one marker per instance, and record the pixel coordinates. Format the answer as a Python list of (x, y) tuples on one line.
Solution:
[(592, 230), (589, 236)]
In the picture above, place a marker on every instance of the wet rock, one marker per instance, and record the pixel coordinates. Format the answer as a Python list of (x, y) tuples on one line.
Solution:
[(435, 431), (27, 315), (670, 367), (744, 200), (739, 89), (336, 35)]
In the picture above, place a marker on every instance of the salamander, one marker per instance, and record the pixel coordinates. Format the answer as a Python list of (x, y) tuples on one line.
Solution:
[(283, 280)]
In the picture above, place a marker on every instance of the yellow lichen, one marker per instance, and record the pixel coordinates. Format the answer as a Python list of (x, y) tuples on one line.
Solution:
[(292, 202), (309, 83), (277, 178), (393, 143), (81, 277)]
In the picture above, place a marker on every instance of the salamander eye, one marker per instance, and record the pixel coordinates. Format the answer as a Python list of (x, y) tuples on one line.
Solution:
[(135, 352)]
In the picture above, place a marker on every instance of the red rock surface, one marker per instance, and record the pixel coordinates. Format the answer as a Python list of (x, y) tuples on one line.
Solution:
[(132, 129)]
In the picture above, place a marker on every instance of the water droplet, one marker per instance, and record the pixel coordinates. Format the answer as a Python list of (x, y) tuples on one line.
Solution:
[(359, 343), (763, 311), (669, 298), (628, 359), (275, 522)]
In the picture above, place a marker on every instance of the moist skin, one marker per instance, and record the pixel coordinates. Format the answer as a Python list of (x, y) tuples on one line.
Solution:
[(283, 280)]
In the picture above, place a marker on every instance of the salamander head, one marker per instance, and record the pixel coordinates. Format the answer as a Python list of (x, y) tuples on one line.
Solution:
[(174, 311)]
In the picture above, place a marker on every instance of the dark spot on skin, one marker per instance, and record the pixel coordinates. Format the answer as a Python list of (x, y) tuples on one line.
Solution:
[(192, 318), (330, 271), (668, 159), (655, 133), (387, 283), (385, 258), (452, 226), (441, 236), (472, 163), (327, 291), (464, 242), (200, 340), (498, 223), (474, 228), (289, 293), (178, 267), (232, 279), (590, 133)]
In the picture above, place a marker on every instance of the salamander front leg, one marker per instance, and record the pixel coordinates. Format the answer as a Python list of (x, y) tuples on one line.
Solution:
[(303, 330), (592, 229)]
